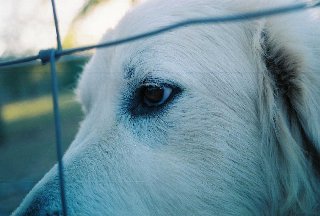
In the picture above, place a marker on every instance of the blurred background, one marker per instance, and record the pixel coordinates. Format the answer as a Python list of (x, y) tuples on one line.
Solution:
[(27, 144)]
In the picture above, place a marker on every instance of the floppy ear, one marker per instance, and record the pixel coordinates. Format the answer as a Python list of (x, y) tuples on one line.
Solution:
[(290, 102), (291, 53)]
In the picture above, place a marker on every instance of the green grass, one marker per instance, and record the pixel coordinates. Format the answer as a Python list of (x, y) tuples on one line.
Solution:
[(28, 150), (28, 109)]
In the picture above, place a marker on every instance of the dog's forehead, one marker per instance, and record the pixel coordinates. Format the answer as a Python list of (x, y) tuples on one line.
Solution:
[(175, 46), (157, 14)]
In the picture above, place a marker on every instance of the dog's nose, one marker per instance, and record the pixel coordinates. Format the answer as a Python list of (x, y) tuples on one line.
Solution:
[(42, 200), (30, 209), (35, 209), (37, 212), (54, 213), (39, 204)]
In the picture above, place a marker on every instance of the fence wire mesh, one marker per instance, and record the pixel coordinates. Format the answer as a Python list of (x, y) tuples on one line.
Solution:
[(52, 55)]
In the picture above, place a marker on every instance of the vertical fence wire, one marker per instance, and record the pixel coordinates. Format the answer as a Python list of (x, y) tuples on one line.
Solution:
[(55, 101), (56, 24), (57, 123)]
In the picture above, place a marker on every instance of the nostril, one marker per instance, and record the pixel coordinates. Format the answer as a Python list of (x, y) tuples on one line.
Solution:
[(41, 202), (39, 206), (54, 213)]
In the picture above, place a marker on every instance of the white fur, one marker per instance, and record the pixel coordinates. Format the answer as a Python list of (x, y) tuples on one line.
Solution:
[(227, 145)]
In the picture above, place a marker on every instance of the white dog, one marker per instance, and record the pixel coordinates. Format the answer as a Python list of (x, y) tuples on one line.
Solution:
[(204, 120)]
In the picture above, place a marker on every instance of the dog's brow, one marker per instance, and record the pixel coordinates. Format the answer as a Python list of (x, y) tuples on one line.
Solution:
[(129, 72)]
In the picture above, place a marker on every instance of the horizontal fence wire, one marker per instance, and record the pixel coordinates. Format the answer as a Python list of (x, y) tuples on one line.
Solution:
[(189, 22)]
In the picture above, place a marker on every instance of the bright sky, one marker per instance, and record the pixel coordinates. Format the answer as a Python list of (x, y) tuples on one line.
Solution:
[(26, 26)]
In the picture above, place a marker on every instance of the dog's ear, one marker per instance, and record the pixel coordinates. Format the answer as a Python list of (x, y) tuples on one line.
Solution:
[(290, 100), (291, 55)]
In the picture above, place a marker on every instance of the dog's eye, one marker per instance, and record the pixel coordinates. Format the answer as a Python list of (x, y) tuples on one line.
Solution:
[(151, 98), (155, 95)]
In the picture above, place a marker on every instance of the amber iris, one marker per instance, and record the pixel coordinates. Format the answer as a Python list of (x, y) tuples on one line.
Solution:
[(153, 94)]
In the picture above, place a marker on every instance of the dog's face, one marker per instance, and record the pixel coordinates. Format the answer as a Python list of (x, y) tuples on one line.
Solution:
[(172, 123)]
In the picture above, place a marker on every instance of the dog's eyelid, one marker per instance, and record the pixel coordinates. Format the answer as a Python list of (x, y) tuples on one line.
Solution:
[(160, 82), (153, 81)]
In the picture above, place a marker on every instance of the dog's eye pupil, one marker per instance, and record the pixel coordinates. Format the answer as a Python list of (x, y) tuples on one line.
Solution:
[(155, 95)]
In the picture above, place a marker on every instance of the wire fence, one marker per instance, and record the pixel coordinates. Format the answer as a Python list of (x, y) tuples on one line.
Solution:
[(52, 55)]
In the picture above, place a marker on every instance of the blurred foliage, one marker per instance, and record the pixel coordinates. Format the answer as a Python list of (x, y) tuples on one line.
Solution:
[(29, 148), (27, 142), (2, 134), (69, 39), (36, 107), (29, 80), (87, 8), (91, 4)]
